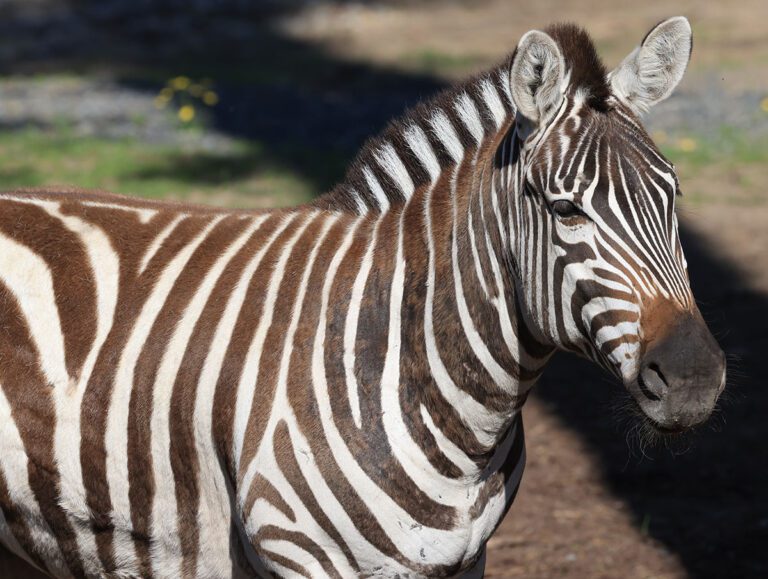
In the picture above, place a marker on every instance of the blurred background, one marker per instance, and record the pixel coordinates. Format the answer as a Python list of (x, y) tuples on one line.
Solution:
[(263, 103)]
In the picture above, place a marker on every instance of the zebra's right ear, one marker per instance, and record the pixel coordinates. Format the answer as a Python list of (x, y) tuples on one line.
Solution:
[(536, 76)]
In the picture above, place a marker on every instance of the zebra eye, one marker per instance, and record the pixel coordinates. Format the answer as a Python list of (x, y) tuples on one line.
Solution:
[(565, 208)]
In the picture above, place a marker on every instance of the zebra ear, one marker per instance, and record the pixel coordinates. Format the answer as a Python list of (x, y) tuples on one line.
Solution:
[(536, 76), (652, 71)]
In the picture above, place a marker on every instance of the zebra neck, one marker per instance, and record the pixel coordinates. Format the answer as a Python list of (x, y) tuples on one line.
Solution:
[(479, 358)]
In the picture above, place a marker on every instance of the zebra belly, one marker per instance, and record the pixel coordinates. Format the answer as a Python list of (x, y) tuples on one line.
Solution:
[(293, 539), (312, 554)]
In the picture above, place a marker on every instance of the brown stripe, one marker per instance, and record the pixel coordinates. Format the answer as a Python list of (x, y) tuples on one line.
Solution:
[(140, 472), (132, 293), (31, 403), (269, 364), (301, 390), (14, 518), (261, 488), (186, 464), (71, 274), (370, 445), (285, 456), (285, 562), (242, 335), (271, 532)]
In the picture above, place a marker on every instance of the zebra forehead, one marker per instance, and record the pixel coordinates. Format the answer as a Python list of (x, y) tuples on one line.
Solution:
[(588, 75)]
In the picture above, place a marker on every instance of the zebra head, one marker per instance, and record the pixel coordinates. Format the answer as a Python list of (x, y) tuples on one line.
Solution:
[(597, 254)]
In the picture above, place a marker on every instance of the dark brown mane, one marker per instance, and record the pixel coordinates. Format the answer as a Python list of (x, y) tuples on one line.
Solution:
[(339, 197), (587, 70)]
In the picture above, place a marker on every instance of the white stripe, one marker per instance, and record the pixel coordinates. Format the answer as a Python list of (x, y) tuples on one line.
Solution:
[(405, 449), (308, 463), (116, 438), (492, 101), (516, 348), (246, 388), (483, 423), (295, 554), (214, 514), (29, 278), (375, 187), (144, 214), (362, 208), (505, 82), (473, 246), (105, 270), (157, 242), (446, 446), (389, 160), (407, 535), (281, 407), (467, 111), (498, 374), (165, 540), (444, 131), (420, 146)]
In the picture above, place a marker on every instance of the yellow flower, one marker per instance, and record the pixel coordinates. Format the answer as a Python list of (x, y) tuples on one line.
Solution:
[(660, 137), (196, 90), (210, 98), (161, 101), (179, 83), (186, 113), (764, 104), (166, 93), (687, 144)]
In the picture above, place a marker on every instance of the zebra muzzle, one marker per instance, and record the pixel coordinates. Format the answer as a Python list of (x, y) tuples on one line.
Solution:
[(682, 374)]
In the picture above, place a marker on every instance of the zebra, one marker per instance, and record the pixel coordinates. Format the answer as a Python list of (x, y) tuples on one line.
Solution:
[(336, 389)]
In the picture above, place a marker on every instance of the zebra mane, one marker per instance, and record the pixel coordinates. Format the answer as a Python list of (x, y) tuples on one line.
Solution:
[(415, 148)]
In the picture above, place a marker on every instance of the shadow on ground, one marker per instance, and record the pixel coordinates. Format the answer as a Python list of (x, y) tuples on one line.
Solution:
[(309, 109), (704, 498), (708, 505)]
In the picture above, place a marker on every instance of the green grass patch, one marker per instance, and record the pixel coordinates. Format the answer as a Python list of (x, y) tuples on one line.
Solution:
[(728, 146), (724, 166), (441, 64), (249, 174)]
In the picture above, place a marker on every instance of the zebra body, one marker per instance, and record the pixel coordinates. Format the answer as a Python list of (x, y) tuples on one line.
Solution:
[(335, 389), (202, 375)]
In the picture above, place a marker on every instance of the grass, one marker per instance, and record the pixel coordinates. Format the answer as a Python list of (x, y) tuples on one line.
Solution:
[(442, 64), (249, 174), (728, 145), (724, 166)]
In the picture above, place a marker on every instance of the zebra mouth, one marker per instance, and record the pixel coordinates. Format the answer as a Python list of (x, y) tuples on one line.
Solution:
[(667, 428)]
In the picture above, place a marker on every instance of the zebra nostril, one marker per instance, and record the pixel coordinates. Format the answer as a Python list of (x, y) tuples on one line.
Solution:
[(652, 382)]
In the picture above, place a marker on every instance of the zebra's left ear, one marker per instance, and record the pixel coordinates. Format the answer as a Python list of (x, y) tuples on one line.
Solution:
[(652, 71)]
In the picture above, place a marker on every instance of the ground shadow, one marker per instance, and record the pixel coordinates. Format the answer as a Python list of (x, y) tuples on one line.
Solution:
[(308, 108), (708, 505), (705, 499)]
